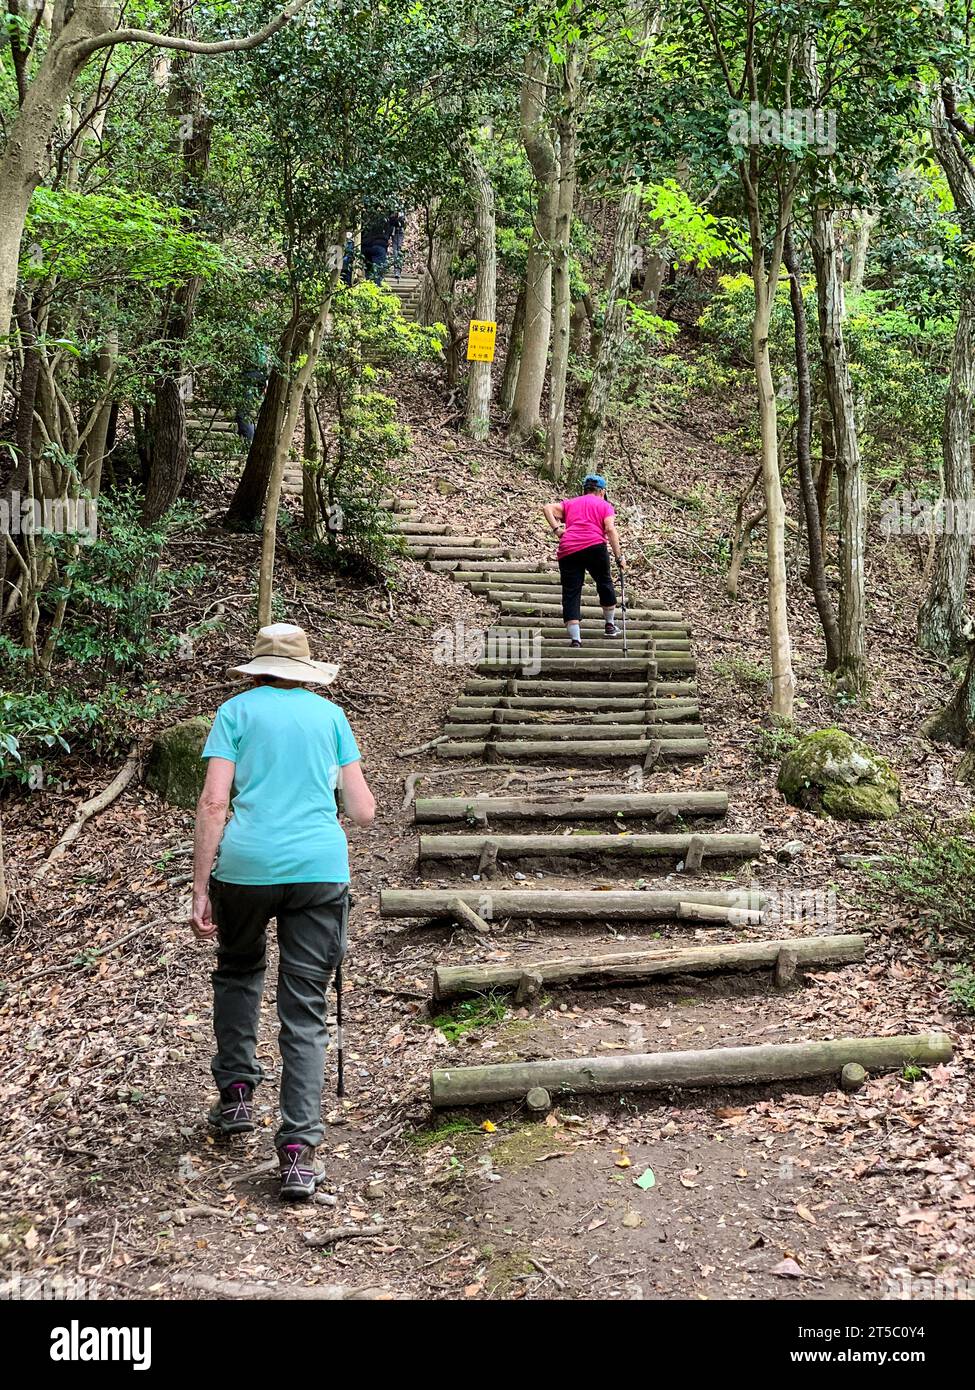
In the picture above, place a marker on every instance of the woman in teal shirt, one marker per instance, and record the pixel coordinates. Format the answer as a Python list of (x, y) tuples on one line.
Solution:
[(277, 754)]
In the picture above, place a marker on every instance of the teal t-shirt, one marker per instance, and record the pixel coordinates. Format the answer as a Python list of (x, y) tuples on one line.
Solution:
[(288, 746)]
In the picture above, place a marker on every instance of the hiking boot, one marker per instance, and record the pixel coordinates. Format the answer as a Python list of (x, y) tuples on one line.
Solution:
[(233, 1112), (575, 642), (301, 1172), (613, 631)]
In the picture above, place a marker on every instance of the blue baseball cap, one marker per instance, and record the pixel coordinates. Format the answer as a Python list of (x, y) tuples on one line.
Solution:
[(596, 478)]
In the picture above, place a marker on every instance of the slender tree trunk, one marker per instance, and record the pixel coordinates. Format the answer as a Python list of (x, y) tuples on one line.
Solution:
[(293, 401), (864, 222), (478, 414), (817, 570), (247, 503), (851, 491), (4, 894), (310, 510), (437, 282), (512, 357), (956, 722), (595, 404), (169, 448), (561, 251), (97, 442), (765, 278), (941, 619), (526, 410)]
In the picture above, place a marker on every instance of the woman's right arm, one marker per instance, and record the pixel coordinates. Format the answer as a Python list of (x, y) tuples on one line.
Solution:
[(555, 515), (357, 800)]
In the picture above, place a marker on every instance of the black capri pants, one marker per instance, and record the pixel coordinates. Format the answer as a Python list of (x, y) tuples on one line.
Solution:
[(573, 569)]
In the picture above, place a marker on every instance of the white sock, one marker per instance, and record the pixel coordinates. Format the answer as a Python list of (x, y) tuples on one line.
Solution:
[(574, 631), (610, 615)]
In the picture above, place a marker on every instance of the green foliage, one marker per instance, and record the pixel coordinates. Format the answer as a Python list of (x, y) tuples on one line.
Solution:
[(745, 673), (772, 744), (483, 1011), (361, 439), (961, 988), (85, 237), (118, 592), (934, 876)]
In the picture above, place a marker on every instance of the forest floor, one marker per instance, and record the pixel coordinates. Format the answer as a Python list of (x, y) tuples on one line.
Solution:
[(107, 1171)]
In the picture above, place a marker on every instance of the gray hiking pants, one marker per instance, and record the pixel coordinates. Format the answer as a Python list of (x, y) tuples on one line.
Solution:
[(312, 923)]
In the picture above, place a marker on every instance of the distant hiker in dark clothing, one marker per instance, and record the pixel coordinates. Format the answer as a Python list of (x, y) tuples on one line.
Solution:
[(279, 751), (399, 237), (253, 384), (377, 232), (586, 530)]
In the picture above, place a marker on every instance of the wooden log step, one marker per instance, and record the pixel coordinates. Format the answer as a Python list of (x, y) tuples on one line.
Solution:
[(440, 847), (594, 627), (662, 750), (538, 718), (634, 641), (716, 1066), (415, 528), (584, 730), (663, 689), (580, 806), (588, 610), (719, 916), (476, 706), (636, 967), (572, 662), (445, 551), (587, 905), (504, 594), (398, 504), (483, 570), (426, 539)]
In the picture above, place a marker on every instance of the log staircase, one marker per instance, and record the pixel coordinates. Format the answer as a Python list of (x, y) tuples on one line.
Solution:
[(584, 720)]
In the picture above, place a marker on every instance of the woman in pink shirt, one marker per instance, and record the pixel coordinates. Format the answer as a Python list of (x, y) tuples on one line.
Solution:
[(586, 532)]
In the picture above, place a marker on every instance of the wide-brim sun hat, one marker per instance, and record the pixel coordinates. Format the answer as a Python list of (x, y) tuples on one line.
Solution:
[(282, 650)]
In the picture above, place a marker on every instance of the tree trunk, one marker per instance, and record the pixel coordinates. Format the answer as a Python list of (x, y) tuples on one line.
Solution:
[(941, 619), (864, 222), (526, 410), (595, 404), (512, 358), (571, 74), (437, 282), (765, 276), (169, 449), (817, 571), (97, 443), (292, 408), (956, 722), (478, 414), (851, 491), (247, 503), (311, 513)]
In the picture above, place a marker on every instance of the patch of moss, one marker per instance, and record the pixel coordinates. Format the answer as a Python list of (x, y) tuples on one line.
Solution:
[(176, 769), (834, 774), (449, 1133), (522, 1146), (504, 1270)]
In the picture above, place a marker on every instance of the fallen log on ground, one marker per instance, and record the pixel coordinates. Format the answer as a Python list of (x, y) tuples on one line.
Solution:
[(718, 1066), (632, 967), (589, 905), (92, 807), (583, 806), (440, 847)]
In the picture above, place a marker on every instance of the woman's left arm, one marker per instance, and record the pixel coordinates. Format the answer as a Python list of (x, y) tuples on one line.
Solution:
[(211, 818)]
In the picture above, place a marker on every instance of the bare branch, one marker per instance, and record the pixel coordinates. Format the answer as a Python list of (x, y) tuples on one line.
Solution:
[(85, 47)]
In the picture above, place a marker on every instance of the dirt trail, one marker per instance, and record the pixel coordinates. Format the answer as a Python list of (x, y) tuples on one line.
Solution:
[(107, 1169)]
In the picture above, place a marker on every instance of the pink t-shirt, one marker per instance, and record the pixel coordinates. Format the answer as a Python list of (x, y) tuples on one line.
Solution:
[(584, 517)]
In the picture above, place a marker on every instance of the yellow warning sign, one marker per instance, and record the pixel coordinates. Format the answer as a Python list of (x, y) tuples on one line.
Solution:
[(480, 340)]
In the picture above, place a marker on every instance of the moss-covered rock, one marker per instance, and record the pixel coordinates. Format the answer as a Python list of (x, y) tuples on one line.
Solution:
[(175, 768), (836, 775)]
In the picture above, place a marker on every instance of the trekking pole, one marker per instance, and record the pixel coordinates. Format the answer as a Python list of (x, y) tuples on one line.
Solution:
[(622, 603), (339, 1035)]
